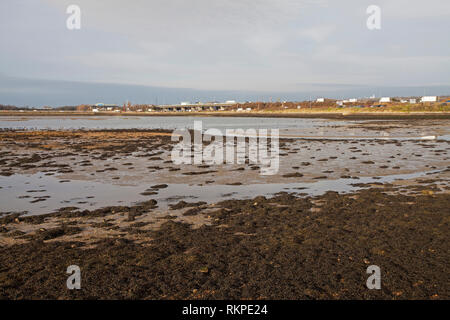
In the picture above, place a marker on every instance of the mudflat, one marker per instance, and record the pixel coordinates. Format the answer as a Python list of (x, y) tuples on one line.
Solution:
[(280, 248), (295, 243)]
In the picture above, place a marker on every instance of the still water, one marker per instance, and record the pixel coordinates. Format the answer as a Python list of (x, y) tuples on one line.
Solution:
[(20, 192), (39, 194), (169, 122), (288, 127)]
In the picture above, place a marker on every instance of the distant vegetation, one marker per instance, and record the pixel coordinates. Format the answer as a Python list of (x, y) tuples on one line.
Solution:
[(8, 107), (307, 106), (368, 105), (67, 108)]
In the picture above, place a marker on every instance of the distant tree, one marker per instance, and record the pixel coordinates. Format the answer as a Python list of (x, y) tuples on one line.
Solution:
[(83, 107), (8, 107), (67, 108)]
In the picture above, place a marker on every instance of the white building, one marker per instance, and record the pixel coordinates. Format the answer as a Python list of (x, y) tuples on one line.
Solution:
[(429, 99), (413, 101), (385, 99), (184, 103), (353, 100), (320, 100)]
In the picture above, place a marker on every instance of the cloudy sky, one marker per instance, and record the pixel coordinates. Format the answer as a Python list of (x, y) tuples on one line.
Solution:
[(172, 50)]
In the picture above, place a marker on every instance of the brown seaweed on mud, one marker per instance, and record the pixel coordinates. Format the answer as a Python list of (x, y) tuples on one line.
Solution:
[(285, 247)]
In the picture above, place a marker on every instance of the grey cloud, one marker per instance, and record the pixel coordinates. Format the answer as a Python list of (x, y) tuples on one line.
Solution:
[(237, 45)]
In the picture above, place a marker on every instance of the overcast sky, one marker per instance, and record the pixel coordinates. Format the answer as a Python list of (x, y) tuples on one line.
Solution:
[(250, 49)]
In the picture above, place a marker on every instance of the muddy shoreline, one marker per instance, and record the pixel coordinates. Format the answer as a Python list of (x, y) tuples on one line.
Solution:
[(46, 170), (290, 245), (286, 247)]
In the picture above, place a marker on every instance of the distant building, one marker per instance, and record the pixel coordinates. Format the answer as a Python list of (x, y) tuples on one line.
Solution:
[(413, 101), (353, 100), (184, 103), (105, 106), (429, 99), (385, 99), (230, 102), (320, 100)]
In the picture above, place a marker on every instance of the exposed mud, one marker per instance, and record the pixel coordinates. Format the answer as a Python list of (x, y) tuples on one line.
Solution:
[(282, 248), (135, 157), (291, 246)]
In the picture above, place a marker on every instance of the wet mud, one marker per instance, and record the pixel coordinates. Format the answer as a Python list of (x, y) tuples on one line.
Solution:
[(286, 246)]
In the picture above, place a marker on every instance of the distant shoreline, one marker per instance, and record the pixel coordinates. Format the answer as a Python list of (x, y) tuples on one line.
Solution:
[(302, 115)]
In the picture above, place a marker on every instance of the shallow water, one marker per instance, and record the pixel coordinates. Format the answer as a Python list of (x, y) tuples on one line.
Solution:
[(170, 122), (18, 191), (289, 127), (50, 193)]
